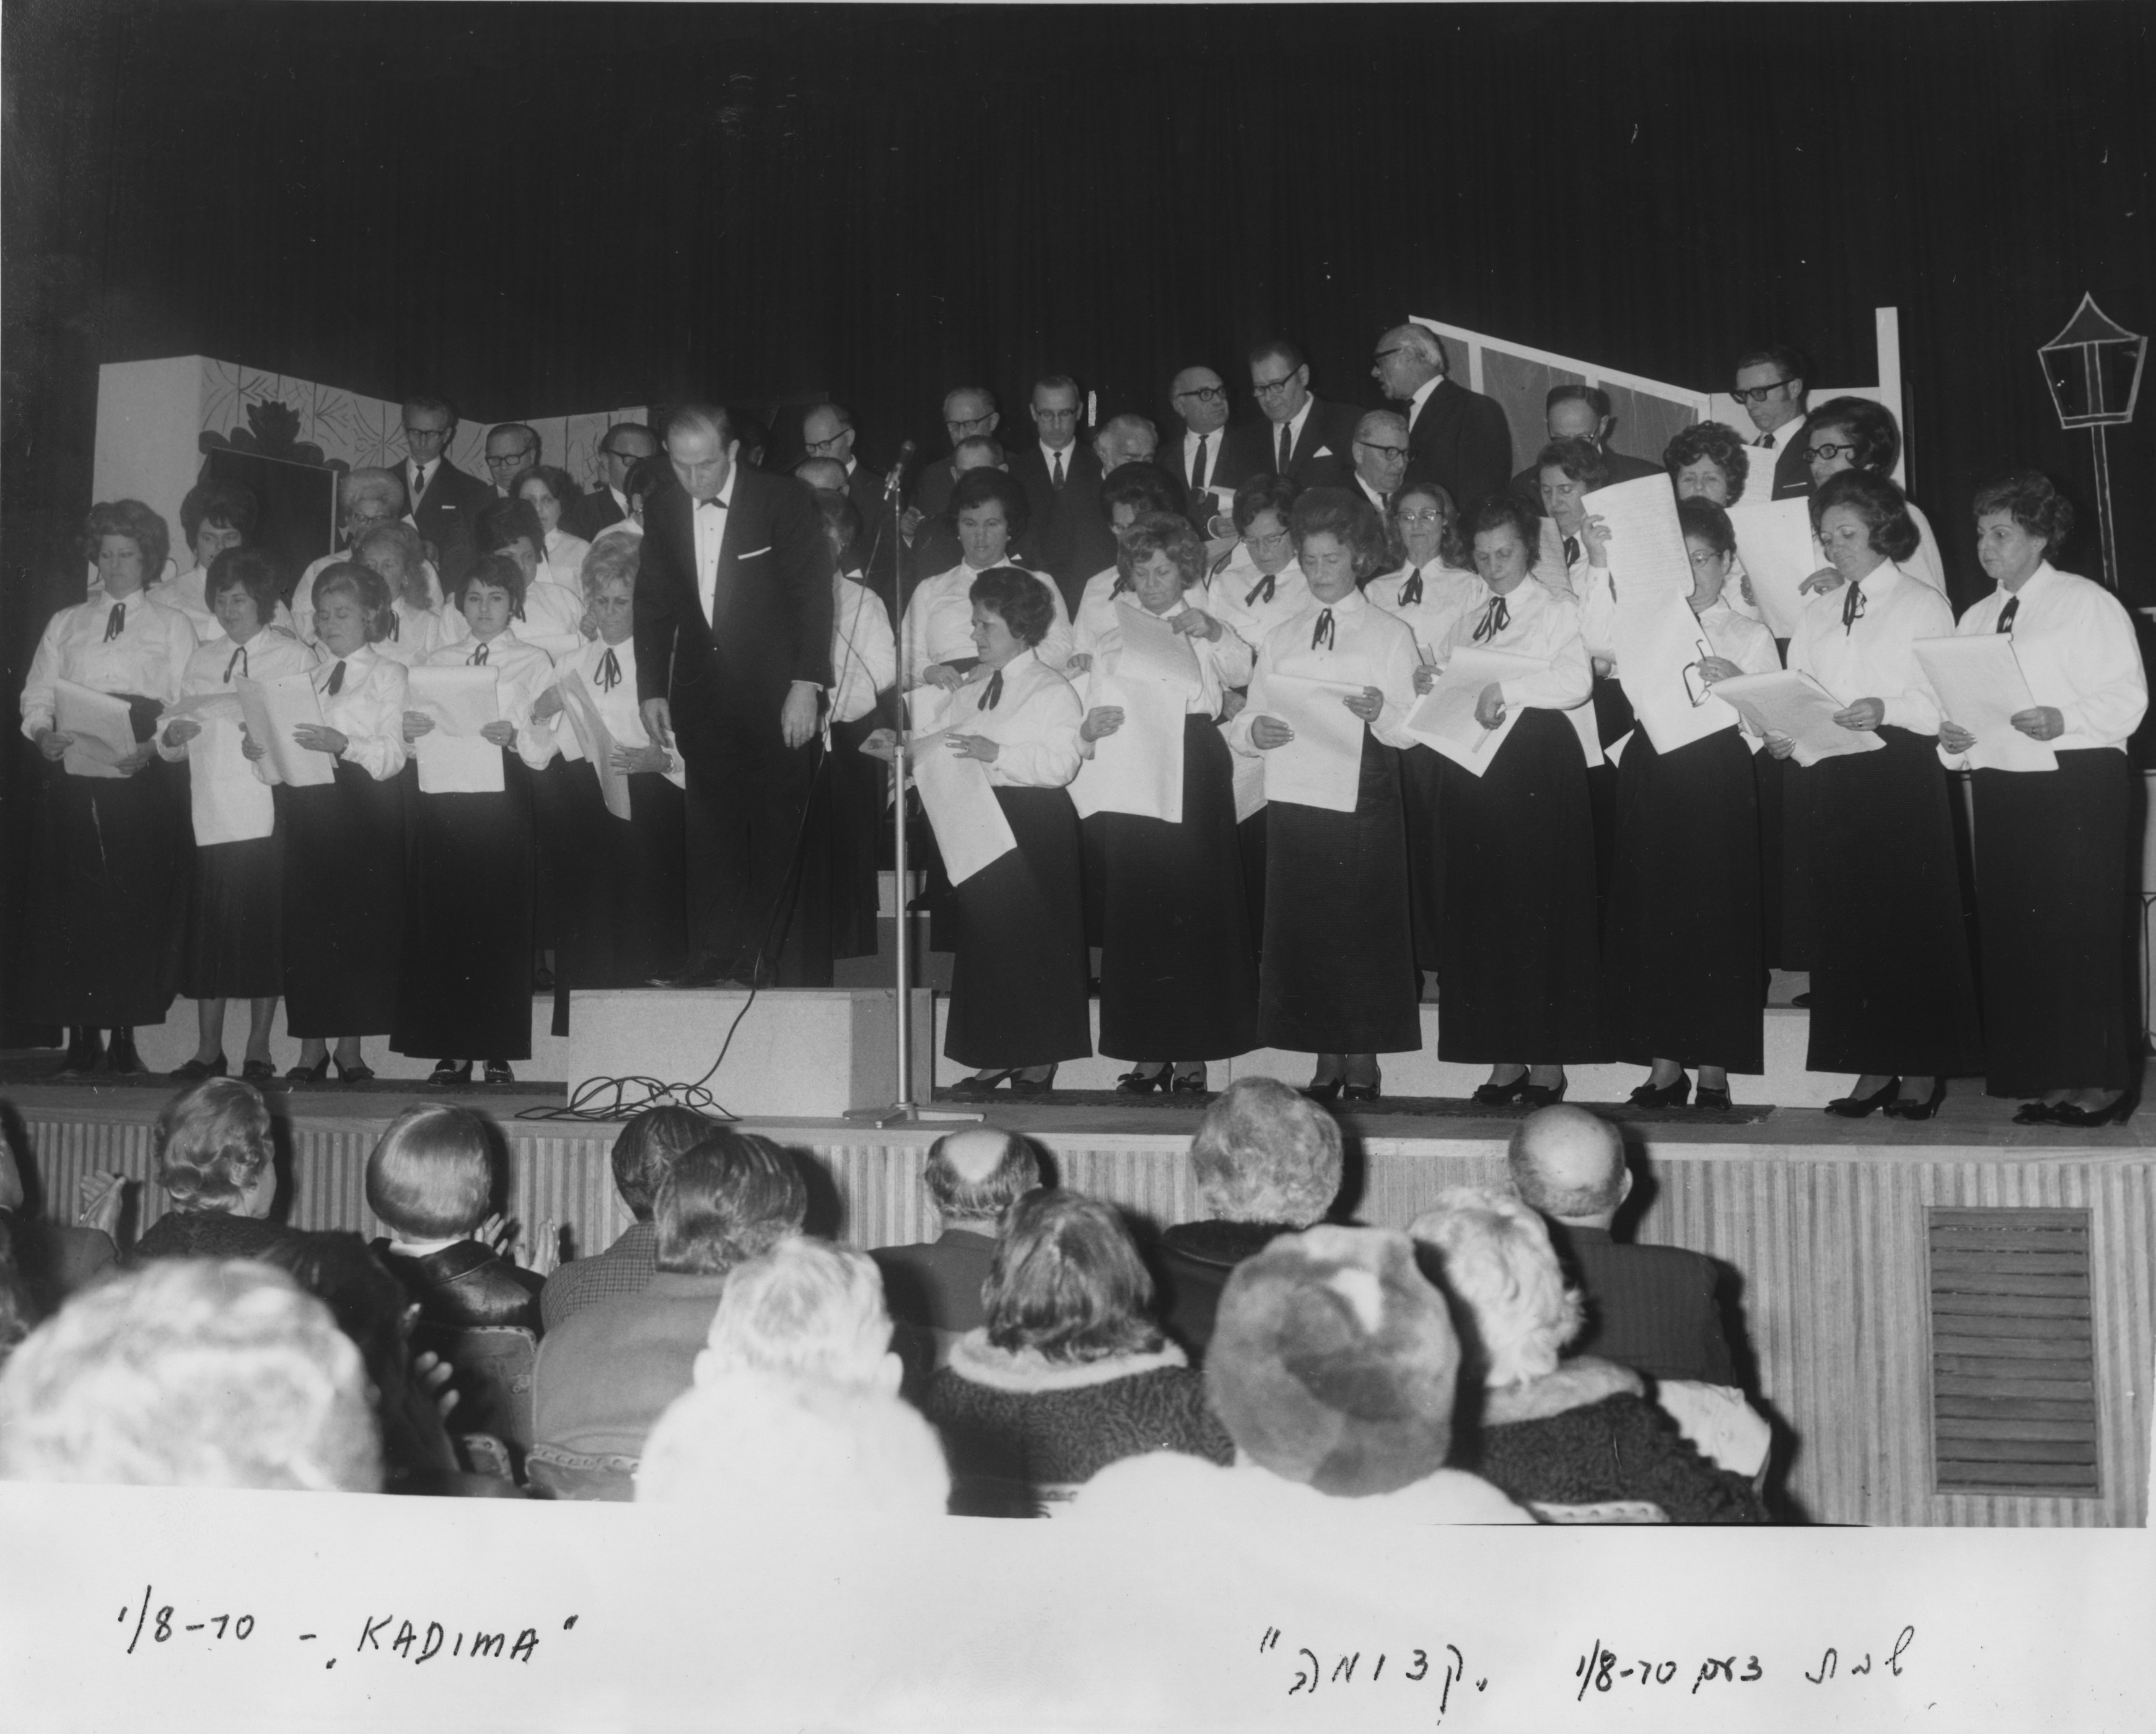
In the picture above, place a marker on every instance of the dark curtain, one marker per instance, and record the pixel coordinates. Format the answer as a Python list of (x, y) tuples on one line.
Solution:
[(545, 208)]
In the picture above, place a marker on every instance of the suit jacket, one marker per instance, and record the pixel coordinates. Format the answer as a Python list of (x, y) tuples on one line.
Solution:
[(1059, 540), (466, 1284), (1792, 472), (1653, 1308), (591, 515), (1623, 468), (771, 608), (1462, 442), (937, 1284), (1232, 460), (448, 516), (623, 1269), (879, 529), (1324, 457)]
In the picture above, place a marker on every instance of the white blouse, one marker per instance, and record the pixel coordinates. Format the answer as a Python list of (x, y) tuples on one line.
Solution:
[(229, 802), (864, 653), (521, 672), (1446, 594), (1540, 624), (553, 617), (148, 659), (2076, 645), (939, 622), (416, 633), (1034, 723), (564, 557), (615, 701), (301, 619), (1097, 611), (368, 711), (1369, 647), (1238, 595), (1223, 662), (1871, 657)]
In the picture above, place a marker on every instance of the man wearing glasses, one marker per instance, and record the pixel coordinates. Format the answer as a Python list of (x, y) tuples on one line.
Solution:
[(1306, 439), (969, 412), (1209, 462), (1770, 385), (1381, 457), (512, 452), (1581, 412), (1457, 439), (445, 502), (590, 514), (828, 431)]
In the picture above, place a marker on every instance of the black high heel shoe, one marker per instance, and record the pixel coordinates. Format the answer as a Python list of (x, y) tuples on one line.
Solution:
[(1325, 1090), (358, 1072), (1497, 1095), (2067, 1114), (1856, 1107), (1190, 1083), (450, 1073), (1667, 1095), (1369, 1092), (309, 1074), (1902, 1108), (498, 1072), (1023, 1085), (982, 1084), (2037, 1113), (195, 1070), (1545, 1096), (1138, 1083), (1718, 1099)]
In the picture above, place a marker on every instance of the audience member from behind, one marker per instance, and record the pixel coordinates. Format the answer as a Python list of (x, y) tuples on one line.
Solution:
[(1070, 1372), (641, 1152), (934, 1286), (1653, 1308), (431, 1181), (1266, 1162), (807, 1310), (772, 1445), (51, 1260), (609, 1373), (191, 1373), (1334, 1366), (215, 1160), (1582, 1434)]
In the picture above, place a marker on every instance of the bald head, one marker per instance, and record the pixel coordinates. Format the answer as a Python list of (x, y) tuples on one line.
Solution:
[(1126, 439), (821, 473), (1200, 398), (1567, 1164), (974, 1176), (1409, 357)]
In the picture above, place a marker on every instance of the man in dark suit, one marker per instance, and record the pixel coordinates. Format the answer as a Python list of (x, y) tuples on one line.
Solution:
[(1381, 457), (733, 651), (1654, 1308), (969, 412), (1581, 412), (1770, 385), (1305, 438), (1457, 438), (933, 1287), (1207, 455), (1061, 477), (512, 452), (828, 431), (591, 515), (445, 502)]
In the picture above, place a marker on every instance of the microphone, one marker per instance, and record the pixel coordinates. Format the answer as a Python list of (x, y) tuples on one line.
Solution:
[(898, 470)]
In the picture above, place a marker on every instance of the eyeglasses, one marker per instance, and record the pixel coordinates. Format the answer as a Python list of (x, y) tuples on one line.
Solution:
[(959, 430), (1383, 353), (822, 445), (1266, 544), (1272, 387), (1388, 453), (1702, 558), (1828, 453), (1056, 415), (1205, 394), (511, 461), (1428, 515), (1756, 393)]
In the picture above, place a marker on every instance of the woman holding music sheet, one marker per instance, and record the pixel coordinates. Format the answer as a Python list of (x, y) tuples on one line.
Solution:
[(344, 839), (1128, 492), (989, 510), (466, 989), (1432, 588), (1018, 984), (111, 861), (1681, 953), (1568, 471), (2053, 847), (1178, 976), (1519, 976), (1892, 997), (232, 947), (1336, 975)]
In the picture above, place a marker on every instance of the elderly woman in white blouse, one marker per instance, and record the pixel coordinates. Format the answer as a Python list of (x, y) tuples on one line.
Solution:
[(1520, 976), (1178, 974), (394, 553), (864, 670), (1127, 492), (233, 948), (989, 510), (1018, 982), (1892, 997), (1337, 971), (2053, 847)]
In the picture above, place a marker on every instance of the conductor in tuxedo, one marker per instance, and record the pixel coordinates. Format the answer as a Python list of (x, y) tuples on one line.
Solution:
[(1581, 412), (1457, 439), (1770, 385), (1306, 440), (445, 502), (733, 652)]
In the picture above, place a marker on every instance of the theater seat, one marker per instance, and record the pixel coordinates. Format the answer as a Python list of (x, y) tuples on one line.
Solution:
[(493, 1364), (552, 1473), (1608, 1511)]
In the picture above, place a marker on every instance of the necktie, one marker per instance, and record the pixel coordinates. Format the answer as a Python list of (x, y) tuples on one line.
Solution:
[(1494, 619), (1058, 477), (1411, 592), (609, 672), (1571, 550), (419, 483), (396, 627), (1321, 633), (1852, 608), (336, 680), (2007, 613), (1263, 586), (994, 695), (478, 658), (1288, 446), (239, 661), (1198, 469), (116, 623)]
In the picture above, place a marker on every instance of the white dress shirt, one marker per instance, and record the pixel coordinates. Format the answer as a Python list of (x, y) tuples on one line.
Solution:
[(939, 622), (1212, 444), (2076, 645), (1422, 397), (1049, 454), (1369, 648), (1096, 610), (1295, 424), (1223, 662), (1236, 595), (864, 653), (521, 672), (614, 700), (415, 634), (148, 660), (1541, 624), (228, 802), (368, 711), (1447, 593), (708, 519), (1872, 658), (1035, 724)]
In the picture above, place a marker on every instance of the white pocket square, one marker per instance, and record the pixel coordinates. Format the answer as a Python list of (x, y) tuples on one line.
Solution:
[(1323, 451), (753, 552)]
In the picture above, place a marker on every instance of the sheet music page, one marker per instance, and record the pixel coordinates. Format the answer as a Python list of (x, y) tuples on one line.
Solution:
[(1444, 717), (1792, 703), (1774, 541), (1138, 769), (1981, 687), (102, 733), (1646, 541), (454, 759), (273, 709), (961, 804), (1322, 766)]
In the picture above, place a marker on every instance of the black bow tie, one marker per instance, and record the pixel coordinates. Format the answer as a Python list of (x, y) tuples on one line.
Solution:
[(1321, 633), (1852, 608), (1494, 619), (1411, 592), (994, 695), (116, 623), (396, 627), (1119, 587), (239, 661), (2007, 613), (1571, 550), (1264, 585), (478, 658), (337, 681), (609, 672)]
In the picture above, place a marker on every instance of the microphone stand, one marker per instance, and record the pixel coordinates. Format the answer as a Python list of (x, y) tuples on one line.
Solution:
[(904, 1111)]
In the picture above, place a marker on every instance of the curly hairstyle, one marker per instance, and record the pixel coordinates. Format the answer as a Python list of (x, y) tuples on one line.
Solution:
[(222, 506), (557, 481), (1715, 444), (1870, 428), (1163, 532), (1274, 493), (984, 487), (366, 586), (1067, 1282), (1019, 599), (1352, 519), (1582, 460), (248, 569), (212, 1144), (1878, 502), (1142, 486), (136, 521), (2029, 497), (1499, 1264)]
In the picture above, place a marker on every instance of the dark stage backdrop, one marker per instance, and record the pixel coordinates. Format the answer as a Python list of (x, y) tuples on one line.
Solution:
[(545, 208)]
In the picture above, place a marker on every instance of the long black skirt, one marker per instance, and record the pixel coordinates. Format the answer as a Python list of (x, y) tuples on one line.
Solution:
[(466, 992), (1422, 783), (1178, 976), (1681, 952), (860, 789), (1613, 720), (1250, 845), (634, 931), (1018, 981), (234, 948), (1796, 844), (1337, 974), (566, 811), (1520, 979), (1893, 991), (2054, 861), (102, 935), (344, 865)]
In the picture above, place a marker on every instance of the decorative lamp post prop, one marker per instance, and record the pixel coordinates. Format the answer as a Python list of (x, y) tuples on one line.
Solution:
[(2093, 368)]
